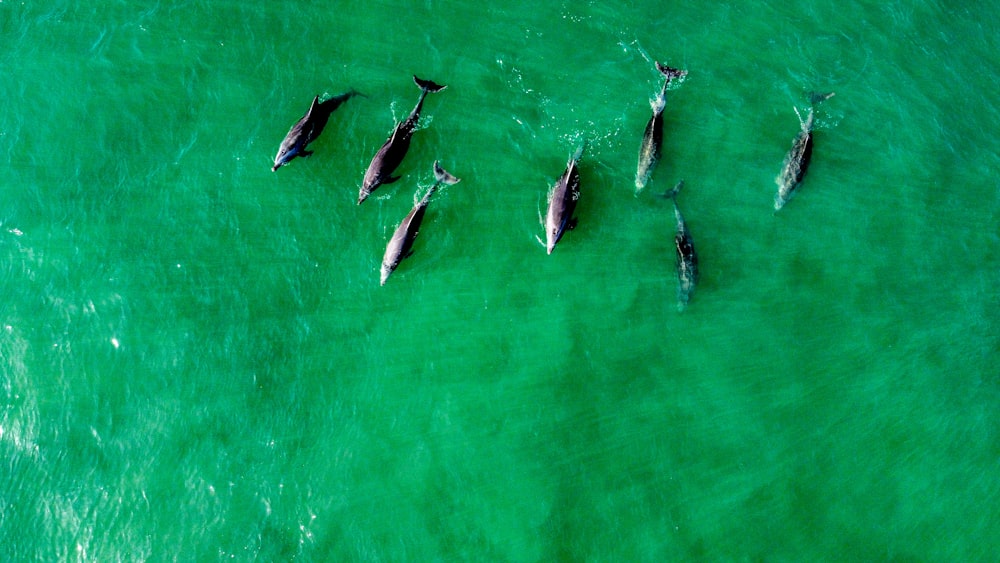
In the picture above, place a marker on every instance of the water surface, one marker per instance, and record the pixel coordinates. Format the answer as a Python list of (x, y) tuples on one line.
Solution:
[(197, 361)]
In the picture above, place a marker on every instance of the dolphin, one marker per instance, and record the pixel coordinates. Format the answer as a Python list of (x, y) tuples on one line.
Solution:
[(401, 243), (307, 129), (392, 152), (797, 160), (687, 259), (562, 202), (652, 139)]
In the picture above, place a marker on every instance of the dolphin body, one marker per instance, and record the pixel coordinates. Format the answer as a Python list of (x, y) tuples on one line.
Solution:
[(652, 139), (797, 160), (389, 157), (687, 258), (562, 202), (307, 129), (401, 244)]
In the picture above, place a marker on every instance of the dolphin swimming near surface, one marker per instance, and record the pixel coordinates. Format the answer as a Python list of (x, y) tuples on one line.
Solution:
[(797, 160), (307, 129), (392, 152), (401, 243), (652, 138), (687, 259), (562, 202)]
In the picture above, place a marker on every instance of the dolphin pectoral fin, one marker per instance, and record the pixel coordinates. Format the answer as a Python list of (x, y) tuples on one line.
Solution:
[(571, 224), (306, 153), (391, 179)]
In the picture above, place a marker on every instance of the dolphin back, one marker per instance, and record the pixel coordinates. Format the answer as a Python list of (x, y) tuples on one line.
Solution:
[(401, 243), (796, 163), (562, 201), (687, 258)]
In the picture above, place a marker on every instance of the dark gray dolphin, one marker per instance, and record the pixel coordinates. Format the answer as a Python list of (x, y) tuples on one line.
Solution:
[(687, 259), (652, 138), (392, 152), (401, 243), (308, 128), (562, 200), (797, 160)]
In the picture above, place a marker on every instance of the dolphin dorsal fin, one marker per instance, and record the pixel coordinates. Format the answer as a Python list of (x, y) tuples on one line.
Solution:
[(313, 106)]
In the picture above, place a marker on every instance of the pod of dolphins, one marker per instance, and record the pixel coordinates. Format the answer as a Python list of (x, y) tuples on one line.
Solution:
[(562, 196)]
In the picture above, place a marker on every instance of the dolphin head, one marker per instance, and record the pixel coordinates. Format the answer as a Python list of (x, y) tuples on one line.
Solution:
[(368, 185), (284, 155)]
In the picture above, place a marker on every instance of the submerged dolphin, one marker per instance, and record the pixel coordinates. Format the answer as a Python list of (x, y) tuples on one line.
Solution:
[(401, 243), (562, 202), (797, 160), (652, 139), (687, 259), (392, 152), (308, 128)]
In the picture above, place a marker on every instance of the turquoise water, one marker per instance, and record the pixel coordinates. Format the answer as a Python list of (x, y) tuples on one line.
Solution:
[(198, 362)]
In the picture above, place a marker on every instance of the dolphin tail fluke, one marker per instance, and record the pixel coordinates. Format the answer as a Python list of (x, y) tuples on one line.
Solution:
[(817, 97), (443, 176), (428, 85), (341, 98), (670, 72), (672, 194)]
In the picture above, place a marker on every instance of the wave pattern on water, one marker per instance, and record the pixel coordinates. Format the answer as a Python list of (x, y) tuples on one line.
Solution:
[(196, 356)]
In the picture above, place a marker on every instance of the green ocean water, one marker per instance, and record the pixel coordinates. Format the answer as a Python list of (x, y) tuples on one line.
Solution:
[(198, 363)]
